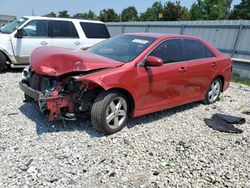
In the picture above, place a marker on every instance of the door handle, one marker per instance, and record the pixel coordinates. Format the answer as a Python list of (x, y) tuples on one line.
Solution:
[(213, 64), (77, 43), (182, 69), (44, 43)]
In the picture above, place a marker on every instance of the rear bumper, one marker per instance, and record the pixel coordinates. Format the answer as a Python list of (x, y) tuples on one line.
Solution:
[(226, 85)]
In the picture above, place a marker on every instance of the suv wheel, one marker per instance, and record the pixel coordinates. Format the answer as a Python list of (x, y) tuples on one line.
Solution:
[(109, 112), (2, 62)]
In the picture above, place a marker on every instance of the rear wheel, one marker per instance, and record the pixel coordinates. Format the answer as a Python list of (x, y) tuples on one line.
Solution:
[(109, 112), (2, 62), (214, 91)]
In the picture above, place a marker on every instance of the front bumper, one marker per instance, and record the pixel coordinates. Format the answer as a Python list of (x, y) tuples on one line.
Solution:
[(34, 94), (50, 105)]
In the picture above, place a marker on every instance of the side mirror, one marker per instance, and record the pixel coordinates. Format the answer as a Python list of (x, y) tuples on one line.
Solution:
[(19, 34), (153, 61)]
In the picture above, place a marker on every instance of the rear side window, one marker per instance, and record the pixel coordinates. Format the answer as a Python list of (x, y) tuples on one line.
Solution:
[(169, 51), (63, 29), (95, 30), (196, 50)]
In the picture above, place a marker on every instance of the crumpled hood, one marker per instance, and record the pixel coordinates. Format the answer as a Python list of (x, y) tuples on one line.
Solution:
[(55, 61)]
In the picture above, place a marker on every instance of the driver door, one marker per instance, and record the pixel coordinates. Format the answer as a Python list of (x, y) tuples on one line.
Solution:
[(163, 87), (34, 35)]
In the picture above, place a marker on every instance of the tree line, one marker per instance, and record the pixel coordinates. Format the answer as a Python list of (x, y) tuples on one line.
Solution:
[(169, 11)]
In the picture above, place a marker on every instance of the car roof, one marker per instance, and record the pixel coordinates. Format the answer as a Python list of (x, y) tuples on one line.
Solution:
[(162, 35), (64, 19)]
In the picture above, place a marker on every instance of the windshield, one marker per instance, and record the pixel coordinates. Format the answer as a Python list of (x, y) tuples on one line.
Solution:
[(9, 28), (124, 48)]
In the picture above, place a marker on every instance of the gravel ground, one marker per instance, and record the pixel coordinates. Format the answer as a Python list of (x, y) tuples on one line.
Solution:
[(171, 148)]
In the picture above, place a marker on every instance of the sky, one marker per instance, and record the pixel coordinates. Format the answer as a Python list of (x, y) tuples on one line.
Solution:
[(41, 7)]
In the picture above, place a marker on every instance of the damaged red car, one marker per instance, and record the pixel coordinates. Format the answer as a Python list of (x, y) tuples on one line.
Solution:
[(127, 75)]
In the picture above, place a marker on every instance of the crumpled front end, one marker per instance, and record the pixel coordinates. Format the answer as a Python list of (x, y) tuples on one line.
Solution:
[(55, 97), (55, 81)]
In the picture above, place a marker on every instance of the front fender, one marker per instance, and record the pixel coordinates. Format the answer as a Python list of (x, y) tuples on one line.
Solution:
[(93, 83), (105, 84)]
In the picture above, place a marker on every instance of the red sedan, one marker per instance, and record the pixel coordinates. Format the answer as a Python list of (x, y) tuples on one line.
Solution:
[(127, 75)]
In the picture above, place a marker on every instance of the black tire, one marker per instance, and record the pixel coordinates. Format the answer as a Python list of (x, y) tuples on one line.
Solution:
[(102, 109), (2, 62), (212, 95)]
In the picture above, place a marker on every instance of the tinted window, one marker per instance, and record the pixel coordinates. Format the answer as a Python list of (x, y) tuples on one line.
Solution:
[(196, 50), (64, 29), (124, 48), (169, 51), (95, 30), (36, 28)]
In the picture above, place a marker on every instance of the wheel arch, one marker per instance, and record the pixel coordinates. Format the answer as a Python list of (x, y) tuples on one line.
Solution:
[(93, 84), (6, 55), (222, 80)]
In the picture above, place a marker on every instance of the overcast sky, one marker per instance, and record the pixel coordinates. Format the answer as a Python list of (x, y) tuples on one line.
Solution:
[(40, 7)]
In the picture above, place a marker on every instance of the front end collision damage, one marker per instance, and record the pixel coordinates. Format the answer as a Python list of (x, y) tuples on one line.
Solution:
[(67, 97), (58, 82)]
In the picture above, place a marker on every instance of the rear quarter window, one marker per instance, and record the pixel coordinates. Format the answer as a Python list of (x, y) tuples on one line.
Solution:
[(95, 30), (194, 49)]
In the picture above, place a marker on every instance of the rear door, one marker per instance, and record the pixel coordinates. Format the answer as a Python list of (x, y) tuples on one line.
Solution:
[(163, 87), (35, 34), (201, 67), (64, 34)]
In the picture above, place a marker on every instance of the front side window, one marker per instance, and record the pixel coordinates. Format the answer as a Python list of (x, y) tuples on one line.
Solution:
[(62, 29), (196, 50), (95, 30), (36, 28), (9, 28), (123, 48), (169, 51)]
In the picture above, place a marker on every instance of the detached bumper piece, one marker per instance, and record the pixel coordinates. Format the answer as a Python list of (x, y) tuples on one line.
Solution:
[(51, 106), (224, 123)]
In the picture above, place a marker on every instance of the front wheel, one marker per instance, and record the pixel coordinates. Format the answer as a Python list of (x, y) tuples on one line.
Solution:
[(109, 112), (214, 91), (2, 62)]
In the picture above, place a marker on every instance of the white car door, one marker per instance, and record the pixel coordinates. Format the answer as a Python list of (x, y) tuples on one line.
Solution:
[(64, 34), (34, 35)]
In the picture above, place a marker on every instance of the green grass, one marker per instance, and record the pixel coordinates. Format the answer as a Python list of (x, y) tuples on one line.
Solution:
[(237, 79)]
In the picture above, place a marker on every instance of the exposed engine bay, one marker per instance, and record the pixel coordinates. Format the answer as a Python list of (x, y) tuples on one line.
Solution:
[(59, 97)]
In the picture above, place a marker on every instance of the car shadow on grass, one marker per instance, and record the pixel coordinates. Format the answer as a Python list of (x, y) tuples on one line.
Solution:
[(44, 126)]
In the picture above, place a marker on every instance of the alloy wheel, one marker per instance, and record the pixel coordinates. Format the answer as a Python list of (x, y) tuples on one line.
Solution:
[(116, 112), (214, 91)]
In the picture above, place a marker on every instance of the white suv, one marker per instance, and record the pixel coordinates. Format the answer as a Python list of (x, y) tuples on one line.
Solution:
[(19, 38)]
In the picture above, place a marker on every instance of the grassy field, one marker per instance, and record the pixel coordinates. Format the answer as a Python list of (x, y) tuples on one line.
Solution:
[(237, 79)]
